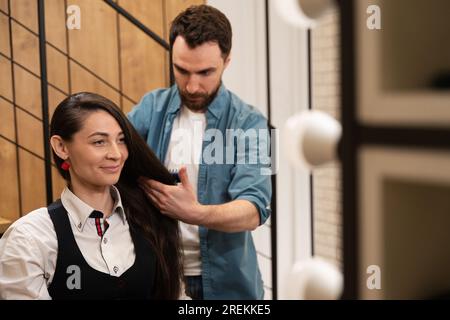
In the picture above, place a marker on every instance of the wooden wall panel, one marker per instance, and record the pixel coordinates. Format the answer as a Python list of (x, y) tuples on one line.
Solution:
[(82, 80), (7, 123), (30, 132), (9, 195), (58, 183), (55, 23), (32, 182), (144, 67), (57, 71), (26, 12), (26, 48), (143, 62), (95, 45), (28, 91), (54, 98), (5, 79), (4, 35), (148, 12), (4, 6), (173, 8), (127, 105)]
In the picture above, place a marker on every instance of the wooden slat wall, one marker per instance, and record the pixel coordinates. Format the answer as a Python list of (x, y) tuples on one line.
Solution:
[(83, 80), (108, 55), (27, 91), (7, 123), (95, 45), (57, 71), (4, 35), (148, 12), (32, 181), (25, 11), (9, 204), (4, 6), (30, 133), (55, 26), (25, 48), (55, 96), (143, 62), (5, 78)]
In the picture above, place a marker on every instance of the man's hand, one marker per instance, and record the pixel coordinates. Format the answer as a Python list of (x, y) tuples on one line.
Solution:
[(178, 202)]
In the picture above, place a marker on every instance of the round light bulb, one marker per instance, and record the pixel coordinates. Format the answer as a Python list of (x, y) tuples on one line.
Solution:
[(303, 13), (315, 279), (311, 139)]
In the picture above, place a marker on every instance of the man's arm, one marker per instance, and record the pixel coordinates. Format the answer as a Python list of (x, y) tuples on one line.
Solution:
[(180, 202), (234, 216)]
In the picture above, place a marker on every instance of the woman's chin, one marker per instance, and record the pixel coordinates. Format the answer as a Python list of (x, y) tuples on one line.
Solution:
[(108, 181)]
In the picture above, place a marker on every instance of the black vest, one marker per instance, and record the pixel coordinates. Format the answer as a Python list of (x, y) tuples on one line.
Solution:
[(75, 279)]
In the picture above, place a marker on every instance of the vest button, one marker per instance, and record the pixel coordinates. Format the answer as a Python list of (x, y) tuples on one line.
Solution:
[(115, 269)]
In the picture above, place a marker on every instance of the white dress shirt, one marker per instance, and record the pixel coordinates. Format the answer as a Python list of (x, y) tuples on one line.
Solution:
[(29, 248)]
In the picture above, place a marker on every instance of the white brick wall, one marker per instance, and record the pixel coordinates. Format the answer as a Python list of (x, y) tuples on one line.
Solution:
[(262, 239), (327, 180)]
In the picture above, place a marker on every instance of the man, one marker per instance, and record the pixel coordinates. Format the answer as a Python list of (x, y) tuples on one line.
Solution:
[(220, 198)]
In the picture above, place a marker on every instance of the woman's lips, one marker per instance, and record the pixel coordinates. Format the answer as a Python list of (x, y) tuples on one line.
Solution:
[(112, 169)]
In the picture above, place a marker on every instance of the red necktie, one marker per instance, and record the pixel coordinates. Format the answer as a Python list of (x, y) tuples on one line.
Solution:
[(97, 215)]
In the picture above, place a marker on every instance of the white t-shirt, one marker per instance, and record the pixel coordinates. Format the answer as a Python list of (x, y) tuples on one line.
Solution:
[(185, 148)]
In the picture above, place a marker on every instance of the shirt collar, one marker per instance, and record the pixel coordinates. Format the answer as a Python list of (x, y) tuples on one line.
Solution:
[(79, 211), (216, 107)]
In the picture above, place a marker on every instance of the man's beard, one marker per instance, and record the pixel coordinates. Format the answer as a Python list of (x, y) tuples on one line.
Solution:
[(198, 101)]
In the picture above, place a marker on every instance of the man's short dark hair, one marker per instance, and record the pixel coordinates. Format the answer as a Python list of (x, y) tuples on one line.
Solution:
[(201, 24)]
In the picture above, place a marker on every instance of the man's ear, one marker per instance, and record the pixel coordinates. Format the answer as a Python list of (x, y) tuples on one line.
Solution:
[(59, 146)]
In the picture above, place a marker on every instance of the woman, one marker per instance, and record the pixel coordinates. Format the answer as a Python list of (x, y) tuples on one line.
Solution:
[(103, 239)]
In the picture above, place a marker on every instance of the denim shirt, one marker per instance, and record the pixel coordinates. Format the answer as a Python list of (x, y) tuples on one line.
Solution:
[(229, 263)]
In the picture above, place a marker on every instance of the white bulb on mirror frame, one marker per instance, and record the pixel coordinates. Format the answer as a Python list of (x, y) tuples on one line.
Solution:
[(311, 139), (303, 13), (315, 279)]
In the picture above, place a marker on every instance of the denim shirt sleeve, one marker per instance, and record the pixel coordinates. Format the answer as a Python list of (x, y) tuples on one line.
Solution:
[(250, 180), (140, 115)]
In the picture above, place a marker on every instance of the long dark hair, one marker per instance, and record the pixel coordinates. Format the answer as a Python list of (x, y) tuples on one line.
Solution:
[(161, 231)]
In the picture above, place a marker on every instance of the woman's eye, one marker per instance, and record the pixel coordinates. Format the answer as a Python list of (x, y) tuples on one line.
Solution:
[(122, 140), (99, 142)]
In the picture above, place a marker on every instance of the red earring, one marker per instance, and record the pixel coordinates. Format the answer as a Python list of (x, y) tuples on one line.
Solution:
[(65, 166)]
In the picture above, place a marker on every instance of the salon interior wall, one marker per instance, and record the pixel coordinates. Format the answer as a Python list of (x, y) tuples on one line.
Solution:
[(107, 55), (327, 190), (247, 77)]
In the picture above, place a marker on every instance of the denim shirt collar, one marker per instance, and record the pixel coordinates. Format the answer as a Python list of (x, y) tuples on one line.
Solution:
[(215, 108)]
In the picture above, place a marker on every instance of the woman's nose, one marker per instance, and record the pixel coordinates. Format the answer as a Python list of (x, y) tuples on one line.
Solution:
[(114, 151)]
